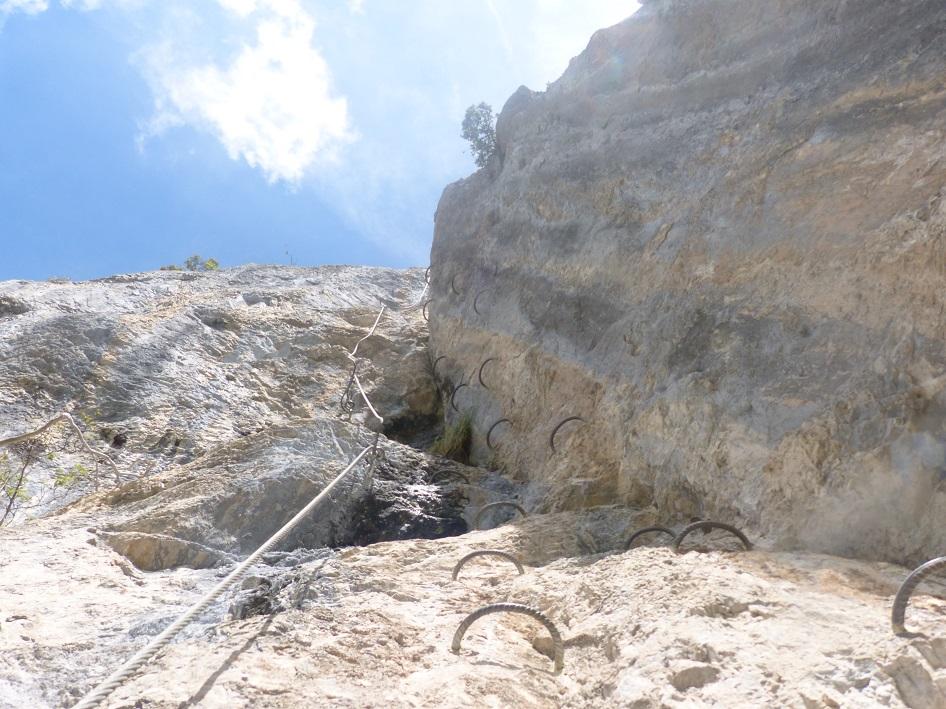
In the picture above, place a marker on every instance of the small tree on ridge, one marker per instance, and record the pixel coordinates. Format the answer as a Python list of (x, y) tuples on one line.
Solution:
[(479, 129)]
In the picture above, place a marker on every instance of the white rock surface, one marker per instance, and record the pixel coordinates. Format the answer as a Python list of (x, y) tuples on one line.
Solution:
[(83, 589), (178, 363), (643, 628)]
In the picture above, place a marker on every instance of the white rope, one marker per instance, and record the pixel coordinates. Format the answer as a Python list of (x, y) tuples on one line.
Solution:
[(367, 401), (347, 402), (418, 304), (351, 355), (117, 678)]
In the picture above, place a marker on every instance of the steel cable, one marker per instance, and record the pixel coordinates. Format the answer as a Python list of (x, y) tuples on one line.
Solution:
[(126, 671)]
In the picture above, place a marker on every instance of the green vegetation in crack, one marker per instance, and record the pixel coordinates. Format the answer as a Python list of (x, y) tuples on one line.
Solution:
[(455, 441)]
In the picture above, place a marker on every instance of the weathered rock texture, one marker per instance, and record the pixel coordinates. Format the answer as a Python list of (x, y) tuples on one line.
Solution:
[(220, 392), (165, 366), (371, 626), (720, 238)]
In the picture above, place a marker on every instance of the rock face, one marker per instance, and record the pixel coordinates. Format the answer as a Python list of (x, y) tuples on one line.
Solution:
[(357, 607), (701, 278), (218, 397), (371, 626), (165, 366), (720, 240), (220, 392)]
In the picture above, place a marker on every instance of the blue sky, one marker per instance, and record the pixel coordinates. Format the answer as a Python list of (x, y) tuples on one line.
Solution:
[(134, 133)]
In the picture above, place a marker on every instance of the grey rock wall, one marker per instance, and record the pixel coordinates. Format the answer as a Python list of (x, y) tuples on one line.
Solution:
[(174, 364), (720, 239), (218, 393)]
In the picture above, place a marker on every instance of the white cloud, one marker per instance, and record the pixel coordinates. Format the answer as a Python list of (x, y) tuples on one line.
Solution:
[(501, 29), (271, 105), (88, 5), (270, 102), (240, 7), (250, 74), (30, 7)]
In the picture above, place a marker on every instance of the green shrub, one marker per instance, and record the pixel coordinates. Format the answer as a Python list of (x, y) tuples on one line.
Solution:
[(455, 441), (479, 129), (12, 487), (194, 263), (68, 478)]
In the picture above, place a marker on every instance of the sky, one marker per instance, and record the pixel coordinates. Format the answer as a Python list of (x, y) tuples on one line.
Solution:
[(134, 133)]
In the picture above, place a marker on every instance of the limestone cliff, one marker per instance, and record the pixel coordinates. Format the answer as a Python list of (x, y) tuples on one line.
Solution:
[(219, 393), (720, 240)]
